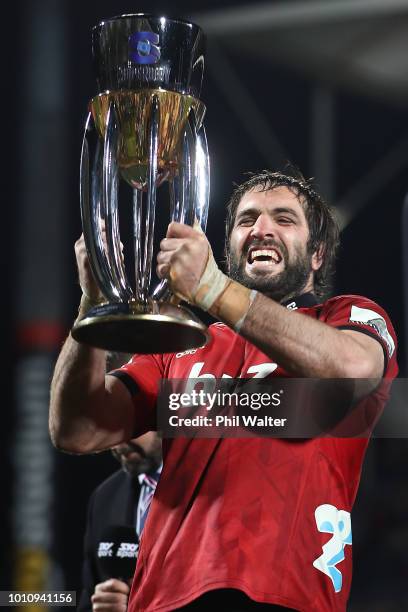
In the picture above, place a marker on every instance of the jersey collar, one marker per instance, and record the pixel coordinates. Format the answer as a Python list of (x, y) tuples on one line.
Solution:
[(305, 300)]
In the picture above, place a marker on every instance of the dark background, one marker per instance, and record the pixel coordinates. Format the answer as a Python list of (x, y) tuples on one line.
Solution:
[(41, 177)]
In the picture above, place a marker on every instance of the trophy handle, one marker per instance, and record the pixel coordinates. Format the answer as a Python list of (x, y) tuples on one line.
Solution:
[(110, 176), (190, 191), (187, 172), (137, 245), (202, 183), (90, 200), (151, 195)]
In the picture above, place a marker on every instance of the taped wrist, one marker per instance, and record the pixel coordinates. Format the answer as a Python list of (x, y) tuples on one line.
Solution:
[(212, 283), (233, 305), (222, 297)]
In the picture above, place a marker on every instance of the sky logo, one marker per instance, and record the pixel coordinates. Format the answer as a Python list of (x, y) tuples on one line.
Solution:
[(144, 48), (337, 522)]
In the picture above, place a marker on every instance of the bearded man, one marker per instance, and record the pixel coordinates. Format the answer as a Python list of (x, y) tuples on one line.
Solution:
[(242, 524)]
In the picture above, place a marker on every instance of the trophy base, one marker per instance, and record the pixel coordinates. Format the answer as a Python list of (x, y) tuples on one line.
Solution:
[(164, 328)]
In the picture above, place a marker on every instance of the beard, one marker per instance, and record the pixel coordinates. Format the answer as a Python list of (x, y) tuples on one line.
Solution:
[(146, 465), (139, 464), (287, 284)]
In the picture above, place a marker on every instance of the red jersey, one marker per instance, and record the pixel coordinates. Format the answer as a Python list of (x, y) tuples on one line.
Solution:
[(270, 517)]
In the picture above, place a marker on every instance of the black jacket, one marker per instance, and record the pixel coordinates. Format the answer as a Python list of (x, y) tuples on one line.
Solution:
[(112, 503)]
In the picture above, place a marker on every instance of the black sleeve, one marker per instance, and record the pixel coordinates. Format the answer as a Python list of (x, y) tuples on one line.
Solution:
[(372, 334), (127, 380), (89, 572)]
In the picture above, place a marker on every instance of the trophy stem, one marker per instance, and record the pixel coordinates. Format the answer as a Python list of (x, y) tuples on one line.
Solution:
[(137, 233), (151, 195), (110, 200)]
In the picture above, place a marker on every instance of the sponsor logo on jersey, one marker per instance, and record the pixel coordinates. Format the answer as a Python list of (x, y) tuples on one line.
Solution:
[(260, 370), (337, 522), (376, 321), (188, 352)]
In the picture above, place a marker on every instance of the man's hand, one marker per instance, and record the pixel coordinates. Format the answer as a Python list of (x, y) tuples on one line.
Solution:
[(86, 279), (111, 596), (182, 259), (186, 260)]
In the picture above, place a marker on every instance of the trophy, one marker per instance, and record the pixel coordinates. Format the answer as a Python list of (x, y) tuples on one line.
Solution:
[(146, 128)]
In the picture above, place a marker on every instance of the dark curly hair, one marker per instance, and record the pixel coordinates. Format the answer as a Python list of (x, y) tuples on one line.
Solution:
[(323, 228)]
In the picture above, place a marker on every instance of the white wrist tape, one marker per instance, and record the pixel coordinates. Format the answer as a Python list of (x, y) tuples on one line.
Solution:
[(212, 283), (238, 325)]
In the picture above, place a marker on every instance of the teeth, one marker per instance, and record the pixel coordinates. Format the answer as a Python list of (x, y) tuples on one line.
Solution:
[(272, 254)]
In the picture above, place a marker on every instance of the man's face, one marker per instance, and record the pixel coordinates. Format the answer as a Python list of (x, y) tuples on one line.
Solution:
[(140, 455), (268, 244)]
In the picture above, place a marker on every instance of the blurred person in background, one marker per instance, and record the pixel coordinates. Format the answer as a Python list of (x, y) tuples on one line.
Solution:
[(123, 499)]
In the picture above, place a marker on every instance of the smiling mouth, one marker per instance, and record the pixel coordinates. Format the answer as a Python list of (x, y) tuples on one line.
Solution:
[(269, 255)]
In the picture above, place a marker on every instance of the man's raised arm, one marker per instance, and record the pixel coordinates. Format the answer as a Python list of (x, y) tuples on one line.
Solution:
[(303, 346), (88, 410)]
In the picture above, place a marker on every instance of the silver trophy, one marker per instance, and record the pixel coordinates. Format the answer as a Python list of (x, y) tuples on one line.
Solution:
[(146, 127)]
